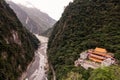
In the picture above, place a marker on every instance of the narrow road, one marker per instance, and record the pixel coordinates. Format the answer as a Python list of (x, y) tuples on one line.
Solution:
[(36, 70)]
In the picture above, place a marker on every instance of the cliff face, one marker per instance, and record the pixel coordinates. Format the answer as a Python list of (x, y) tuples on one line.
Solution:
[(32, 18), (85, 24), (17, 45)]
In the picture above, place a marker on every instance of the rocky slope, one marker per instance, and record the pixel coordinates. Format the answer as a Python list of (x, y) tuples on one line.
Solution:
[(85, 24), (17, 45), (48, 32), (34, 20)]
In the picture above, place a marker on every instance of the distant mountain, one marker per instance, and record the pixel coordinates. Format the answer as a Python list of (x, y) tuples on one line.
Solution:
[(85, 24), (34, 20), (17, 44)]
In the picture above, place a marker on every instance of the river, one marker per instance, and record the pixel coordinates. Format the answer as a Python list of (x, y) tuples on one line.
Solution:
[(38, 67)]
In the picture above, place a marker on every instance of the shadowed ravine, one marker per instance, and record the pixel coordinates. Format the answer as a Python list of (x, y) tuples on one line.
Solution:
[(36, 70)]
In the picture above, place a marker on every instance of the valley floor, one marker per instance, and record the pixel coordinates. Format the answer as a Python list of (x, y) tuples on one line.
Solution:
[(37, 69)]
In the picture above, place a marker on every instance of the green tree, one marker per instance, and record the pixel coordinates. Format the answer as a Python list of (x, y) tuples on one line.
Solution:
[(106, 73)]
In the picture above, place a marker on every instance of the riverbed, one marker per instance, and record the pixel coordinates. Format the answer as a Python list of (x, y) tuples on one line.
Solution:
[(37, 69)]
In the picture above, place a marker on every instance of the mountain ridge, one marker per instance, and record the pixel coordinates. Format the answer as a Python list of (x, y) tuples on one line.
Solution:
[(17, 44), (37, 21)]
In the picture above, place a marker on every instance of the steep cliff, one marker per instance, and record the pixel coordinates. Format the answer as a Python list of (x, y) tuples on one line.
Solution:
[(85, 24), (17, 45)]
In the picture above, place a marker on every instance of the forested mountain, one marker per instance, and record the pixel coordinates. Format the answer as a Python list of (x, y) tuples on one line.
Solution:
[(85, 24), (17, 44), (34, 20)]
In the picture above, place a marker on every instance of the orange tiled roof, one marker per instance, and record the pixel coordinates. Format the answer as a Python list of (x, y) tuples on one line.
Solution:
[(96, 60), (102, 54), (102, 50), (96, 56)]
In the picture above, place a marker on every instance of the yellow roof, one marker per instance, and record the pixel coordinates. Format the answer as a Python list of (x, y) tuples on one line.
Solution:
[(102, 50)]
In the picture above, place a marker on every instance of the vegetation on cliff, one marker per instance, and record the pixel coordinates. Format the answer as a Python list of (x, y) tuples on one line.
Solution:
[(85, 24), (17, 45)]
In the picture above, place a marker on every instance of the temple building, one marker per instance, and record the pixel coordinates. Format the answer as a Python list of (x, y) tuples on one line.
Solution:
[(99, 55), (95, 58)]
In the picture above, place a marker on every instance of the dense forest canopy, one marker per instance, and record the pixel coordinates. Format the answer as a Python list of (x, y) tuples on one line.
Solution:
[(85, 24)]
